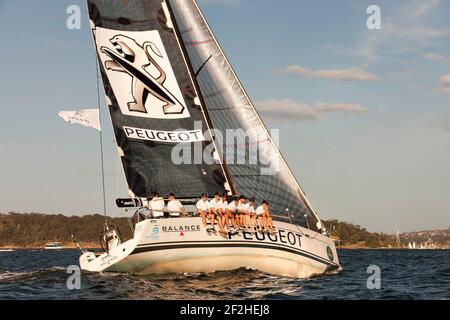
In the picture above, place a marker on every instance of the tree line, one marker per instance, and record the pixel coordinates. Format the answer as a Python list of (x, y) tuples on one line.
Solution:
[(34, 229)]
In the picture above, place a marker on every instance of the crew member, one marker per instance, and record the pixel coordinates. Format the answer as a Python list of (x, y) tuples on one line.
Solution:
[(232, 213), (156, 206), (203, 209), (242, 212), (260, 218), (264, 215), (223, 211), (174, 207), (268, 217), (214, 212), (251, 214)]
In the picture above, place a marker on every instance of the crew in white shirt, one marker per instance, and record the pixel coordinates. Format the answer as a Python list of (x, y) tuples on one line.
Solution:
[(268, 217), (156, 206), (223, 210), (174, 207), (203, 209), (263, 213), (242, 211), (232, 213), (223, 203), (214, 212), (260, 211), (251, 215)]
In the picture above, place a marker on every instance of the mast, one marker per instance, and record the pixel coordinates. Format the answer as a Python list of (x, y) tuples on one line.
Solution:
[(193, 75)]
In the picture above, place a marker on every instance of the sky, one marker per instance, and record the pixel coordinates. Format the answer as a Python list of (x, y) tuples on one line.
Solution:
[(364, 115)]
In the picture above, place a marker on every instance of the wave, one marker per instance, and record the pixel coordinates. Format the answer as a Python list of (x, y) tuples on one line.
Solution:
[(14, 276)]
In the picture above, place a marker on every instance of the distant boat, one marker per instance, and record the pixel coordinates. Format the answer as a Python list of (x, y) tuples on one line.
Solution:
[(54, 246), (6, 250)]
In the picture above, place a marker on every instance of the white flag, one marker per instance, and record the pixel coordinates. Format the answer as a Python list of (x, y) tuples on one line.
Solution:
[(87, 118)]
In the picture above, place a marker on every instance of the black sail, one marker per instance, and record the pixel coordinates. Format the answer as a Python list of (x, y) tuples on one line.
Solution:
[(230, 108), (153, 102)]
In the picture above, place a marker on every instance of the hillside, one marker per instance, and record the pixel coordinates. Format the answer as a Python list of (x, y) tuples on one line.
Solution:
[(351, 236), (34, 230), (427, 239), (355, 236)]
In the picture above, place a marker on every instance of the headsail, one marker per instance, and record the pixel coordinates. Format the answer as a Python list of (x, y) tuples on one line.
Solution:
[(230, 108), (152, 99)]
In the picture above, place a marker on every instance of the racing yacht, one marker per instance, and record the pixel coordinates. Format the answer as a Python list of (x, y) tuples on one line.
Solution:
[(172, 95)]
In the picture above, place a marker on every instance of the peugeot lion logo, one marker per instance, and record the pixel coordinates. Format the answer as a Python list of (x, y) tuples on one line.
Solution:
[(131, 58)]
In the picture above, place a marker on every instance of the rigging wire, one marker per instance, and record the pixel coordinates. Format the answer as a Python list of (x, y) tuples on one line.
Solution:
[(72, 236), (101, 143)]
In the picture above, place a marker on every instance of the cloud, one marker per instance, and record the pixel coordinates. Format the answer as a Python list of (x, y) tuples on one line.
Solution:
[(286, 109), (408, 28), (433, 57), (352, 74), (445, 83), (445, 80), (289, 110), (341, 107)]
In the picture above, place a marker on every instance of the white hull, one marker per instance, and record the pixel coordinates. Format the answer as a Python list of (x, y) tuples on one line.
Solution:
[(182, 245)]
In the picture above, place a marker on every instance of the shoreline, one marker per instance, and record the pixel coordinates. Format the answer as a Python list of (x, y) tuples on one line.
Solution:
[(42, 246)]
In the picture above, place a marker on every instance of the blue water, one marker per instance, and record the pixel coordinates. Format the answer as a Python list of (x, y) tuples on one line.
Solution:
[(405, 274)]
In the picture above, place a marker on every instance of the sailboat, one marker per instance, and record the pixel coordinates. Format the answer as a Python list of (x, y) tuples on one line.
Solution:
[(170, 89)]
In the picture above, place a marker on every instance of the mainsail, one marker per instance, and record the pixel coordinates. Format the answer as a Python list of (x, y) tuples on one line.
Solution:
[(152, 99), (164, 70)]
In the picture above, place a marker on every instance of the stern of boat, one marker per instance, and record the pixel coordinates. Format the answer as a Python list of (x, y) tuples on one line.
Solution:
[(102, 261)]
